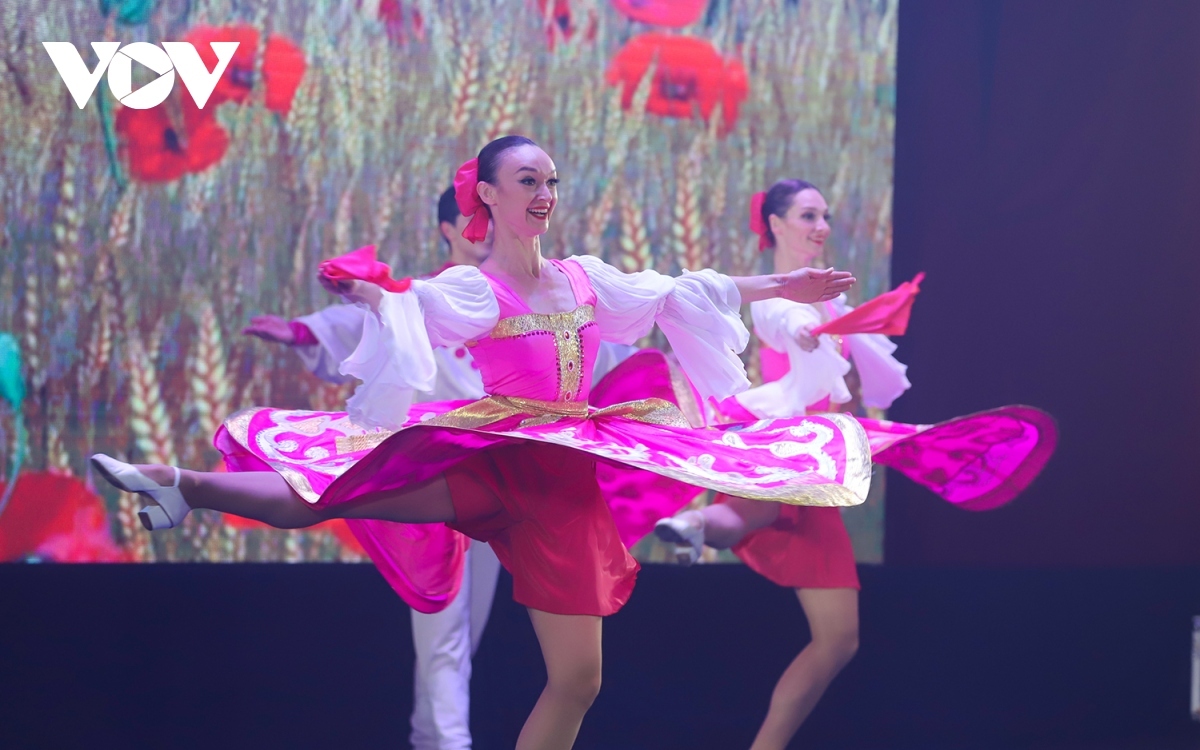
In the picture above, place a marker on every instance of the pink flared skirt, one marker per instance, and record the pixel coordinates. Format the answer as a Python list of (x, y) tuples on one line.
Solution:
[(535, 480)]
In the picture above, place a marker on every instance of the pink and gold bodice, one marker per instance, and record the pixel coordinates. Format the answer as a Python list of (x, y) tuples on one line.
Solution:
[(542, 356)]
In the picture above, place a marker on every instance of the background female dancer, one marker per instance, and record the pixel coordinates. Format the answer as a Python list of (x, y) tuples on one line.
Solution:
[(808, 548), (516, 469)]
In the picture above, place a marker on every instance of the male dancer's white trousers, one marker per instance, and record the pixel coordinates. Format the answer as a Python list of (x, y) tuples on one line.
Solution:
[(445, 642)]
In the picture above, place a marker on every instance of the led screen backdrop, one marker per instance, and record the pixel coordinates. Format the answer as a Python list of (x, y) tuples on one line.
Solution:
[(137, 243)]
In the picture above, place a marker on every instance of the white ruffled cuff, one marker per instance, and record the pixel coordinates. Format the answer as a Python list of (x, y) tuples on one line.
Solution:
[(883, 378)]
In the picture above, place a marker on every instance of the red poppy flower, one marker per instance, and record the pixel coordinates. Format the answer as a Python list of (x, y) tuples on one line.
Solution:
[(89, 542), (48, 509), (245, 524), (691, 77), (673, 13), (391, 12), (559, 21), (283, 65), (168, 141), (341, 531)]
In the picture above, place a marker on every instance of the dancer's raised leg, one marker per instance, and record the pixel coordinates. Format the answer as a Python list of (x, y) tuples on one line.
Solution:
[(571, 650), (833, 619), (265, 496)]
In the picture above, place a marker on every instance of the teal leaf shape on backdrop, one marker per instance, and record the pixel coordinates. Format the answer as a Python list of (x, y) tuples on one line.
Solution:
[(129, 12)]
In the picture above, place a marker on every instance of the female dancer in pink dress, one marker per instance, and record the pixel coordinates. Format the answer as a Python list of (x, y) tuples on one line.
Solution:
[(518, 468), (979, 461)]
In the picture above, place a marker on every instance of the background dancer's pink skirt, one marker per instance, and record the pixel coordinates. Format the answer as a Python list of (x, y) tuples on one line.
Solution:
[(805, 548), (976, 462)]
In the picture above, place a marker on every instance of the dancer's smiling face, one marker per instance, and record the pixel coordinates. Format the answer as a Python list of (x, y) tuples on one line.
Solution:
[(805, 227), (524, 193)]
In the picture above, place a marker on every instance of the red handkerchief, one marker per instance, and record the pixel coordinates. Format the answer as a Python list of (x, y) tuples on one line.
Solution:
[(887, 314), (361, 264)]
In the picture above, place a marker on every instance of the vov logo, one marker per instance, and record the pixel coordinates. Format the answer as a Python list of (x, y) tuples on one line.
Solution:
[(118, 61)]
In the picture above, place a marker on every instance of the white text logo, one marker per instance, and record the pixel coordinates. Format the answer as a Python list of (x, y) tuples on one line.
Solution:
[(118, 61)]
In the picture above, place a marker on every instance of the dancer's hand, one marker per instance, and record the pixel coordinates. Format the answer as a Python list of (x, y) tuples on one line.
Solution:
[(353, 290), (270, 328), (340, 288), (806, 340), (815, 285)]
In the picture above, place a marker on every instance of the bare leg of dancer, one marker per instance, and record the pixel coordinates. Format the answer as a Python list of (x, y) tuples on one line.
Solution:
[(265, 496), (571, 649), (570, 643), (833, 619)]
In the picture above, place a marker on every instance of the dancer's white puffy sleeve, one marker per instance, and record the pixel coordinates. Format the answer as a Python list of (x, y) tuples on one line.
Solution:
[(812, 376), (698, 312), (882, 378), (394, 358), (338, 329)]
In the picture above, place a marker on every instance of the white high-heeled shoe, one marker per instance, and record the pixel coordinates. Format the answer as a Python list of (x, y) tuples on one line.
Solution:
[(171, 508), (687, 537)]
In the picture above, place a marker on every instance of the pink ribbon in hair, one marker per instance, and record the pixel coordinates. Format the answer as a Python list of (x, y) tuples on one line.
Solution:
[(466, 195), (757, 225)]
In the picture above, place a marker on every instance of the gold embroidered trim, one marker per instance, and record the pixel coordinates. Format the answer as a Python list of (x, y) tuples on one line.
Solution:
[(476, 414), (569, 350), (495, 408), (649, 410), (238, 426), (692, 409), (858, 453), (539, 421), (536, 406), (365, 442), (519, 325)]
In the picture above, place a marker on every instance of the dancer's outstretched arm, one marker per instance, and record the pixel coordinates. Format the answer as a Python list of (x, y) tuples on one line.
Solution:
[(802, 285)]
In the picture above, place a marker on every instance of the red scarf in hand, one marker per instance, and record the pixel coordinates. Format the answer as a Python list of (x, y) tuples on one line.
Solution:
[(887, 314), (362, 265)]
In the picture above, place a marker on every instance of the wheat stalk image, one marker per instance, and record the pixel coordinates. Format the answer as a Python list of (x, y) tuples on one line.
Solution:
[(126, 294)]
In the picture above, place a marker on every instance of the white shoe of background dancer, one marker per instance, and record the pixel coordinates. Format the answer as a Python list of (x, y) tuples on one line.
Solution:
[(171, 508), (686, 532)]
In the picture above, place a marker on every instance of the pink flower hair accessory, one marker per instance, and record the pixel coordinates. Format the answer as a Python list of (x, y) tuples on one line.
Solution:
[(757, 225), (466, 195)]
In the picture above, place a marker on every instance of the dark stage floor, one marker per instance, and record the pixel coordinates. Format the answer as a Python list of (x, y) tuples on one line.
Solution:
[(312, 656)]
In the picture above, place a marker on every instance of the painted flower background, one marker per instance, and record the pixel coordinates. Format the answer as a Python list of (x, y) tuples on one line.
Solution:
[(135, 245)]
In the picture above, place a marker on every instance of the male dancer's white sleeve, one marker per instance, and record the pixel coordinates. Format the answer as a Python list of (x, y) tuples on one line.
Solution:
[(338, 329)]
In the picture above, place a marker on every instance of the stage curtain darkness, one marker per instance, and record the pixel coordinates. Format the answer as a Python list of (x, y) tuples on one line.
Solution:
[(1048, 180)]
